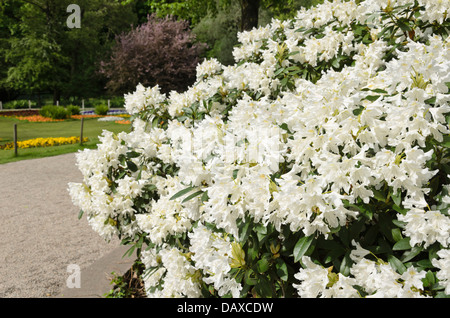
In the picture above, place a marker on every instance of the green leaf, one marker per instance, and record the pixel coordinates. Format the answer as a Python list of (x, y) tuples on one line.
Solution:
[(133, 154), (403, 23), (396, 264), (129, 252), (379, 195), (302, 246), (263, 287), (244, 230), (429, 279), (205, 196), (399, 224), (193, 195), (263, 265), (182, 118), (279, 71), (397, 198), (182, 192), (149, 187), (425, 263), (80, 214), (282, 270), (335, 63), (379, 91), (402, 244), (445, 142), (397, 234), (372, 98), (334, 254), (346, 265), (252, 250), (409, 255), (132, 166), (250, 278)]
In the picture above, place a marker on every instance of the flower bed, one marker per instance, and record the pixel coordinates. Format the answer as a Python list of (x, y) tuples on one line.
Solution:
[(37, 119), (123, 122), (13, 113), (317, 166), (43, 142), (86, 116)]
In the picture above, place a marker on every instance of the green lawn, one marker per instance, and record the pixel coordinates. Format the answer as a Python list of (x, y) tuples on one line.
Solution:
[(92, 128)]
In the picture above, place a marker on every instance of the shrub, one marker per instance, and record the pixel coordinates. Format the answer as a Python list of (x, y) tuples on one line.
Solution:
[(101, 109), (73, 110), (18, 104), (316, 166), (160, 52), (54, 112), (117, 102)]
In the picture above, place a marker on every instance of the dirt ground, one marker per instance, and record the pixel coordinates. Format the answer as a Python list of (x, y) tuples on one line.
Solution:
[(40, 233)]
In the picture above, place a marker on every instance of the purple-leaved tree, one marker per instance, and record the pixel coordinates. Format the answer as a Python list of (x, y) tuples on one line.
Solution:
[(159, 52)]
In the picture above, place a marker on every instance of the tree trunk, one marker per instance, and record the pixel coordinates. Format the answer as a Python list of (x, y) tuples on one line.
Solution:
[(249, 14)]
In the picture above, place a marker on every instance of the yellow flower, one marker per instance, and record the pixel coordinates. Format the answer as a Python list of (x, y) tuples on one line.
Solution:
[(43, 142)]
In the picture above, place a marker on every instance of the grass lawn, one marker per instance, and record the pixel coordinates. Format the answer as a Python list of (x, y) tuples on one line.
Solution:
[(92, 128)]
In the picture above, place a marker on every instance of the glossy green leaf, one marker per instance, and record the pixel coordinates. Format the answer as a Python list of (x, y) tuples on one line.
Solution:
[(346, 265), (282, 269), (397, 234), (396, 264), (133, 154), (409, 255), (182, 192), (402, 244), (263, 287), (191, 196), (302, 246), (263, 265), (250, 277), (132, 166)]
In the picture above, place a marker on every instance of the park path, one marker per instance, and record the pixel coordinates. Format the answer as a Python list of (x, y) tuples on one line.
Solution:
[(40, 233)]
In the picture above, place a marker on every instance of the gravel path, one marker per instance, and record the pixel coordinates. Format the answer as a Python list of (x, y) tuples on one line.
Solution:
[(40, 234)]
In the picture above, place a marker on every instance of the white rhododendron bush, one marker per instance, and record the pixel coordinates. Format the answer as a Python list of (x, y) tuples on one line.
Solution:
[(316, 166)]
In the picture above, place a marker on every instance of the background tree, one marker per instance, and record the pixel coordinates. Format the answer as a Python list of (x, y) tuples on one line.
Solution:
[(161, 52), (217, 22), (195, 10), (41, 54)]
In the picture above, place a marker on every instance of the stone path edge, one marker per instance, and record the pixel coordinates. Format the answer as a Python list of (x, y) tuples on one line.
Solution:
[(95, 281)]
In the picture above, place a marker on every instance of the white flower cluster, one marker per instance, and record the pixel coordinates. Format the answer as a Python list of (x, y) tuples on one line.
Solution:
[(292, 154), (376, 278), (172, 266), (144, 98)]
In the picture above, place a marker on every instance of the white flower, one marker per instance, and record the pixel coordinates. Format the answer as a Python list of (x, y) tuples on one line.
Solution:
[(207, 68), (443, 263), (426, 227), (174, 276), (211, 253), (313, 279), (144, 98), (164, 217)]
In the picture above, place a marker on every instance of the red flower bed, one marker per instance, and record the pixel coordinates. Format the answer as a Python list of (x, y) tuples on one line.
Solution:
[(27, 112)]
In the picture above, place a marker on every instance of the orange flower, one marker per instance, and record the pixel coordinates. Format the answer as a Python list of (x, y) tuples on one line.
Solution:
[(123, 122), (85, 116), (37, 118)]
